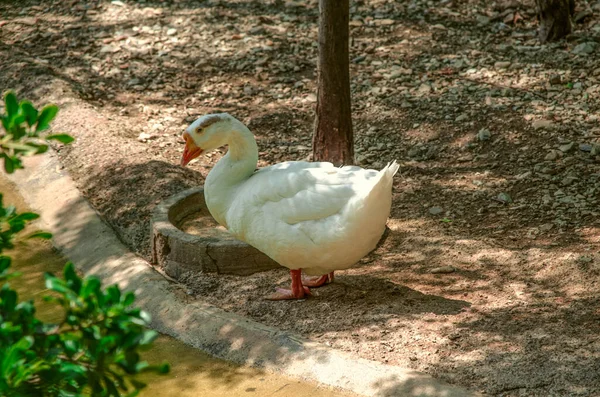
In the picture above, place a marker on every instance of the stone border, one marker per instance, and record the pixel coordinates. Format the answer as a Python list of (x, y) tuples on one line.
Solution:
[(178, 252), (85, 239)]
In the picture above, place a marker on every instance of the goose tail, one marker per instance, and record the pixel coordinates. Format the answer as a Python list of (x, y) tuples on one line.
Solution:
[(390, 170)]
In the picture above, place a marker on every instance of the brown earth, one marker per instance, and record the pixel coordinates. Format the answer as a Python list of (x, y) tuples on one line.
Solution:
[(498, 139)]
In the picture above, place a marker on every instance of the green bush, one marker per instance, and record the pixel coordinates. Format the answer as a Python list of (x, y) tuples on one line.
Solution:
[(93, 351), (23, 124)]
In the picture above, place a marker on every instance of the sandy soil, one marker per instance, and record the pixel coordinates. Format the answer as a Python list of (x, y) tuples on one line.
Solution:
[(497, 138)]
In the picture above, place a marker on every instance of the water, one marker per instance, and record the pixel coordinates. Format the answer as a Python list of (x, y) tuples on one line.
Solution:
[(193, 373)]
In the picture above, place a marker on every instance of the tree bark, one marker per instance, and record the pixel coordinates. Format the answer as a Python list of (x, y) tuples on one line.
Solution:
[(555, 18), (333, 138)]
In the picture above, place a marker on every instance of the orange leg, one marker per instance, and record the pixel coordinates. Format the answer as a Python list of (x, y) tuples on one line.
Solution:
[(318, 281), (298, 291)]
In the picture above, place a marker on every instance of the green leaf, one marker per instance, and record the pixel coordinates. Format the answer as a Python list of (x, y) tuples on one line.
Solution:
[(16, 122), (146, 317), (71, 347), (91, 285), (9, 165), (128, 299), (30, 112), (62, 138), (163, 368), (25, 343), (108, 341), (8, 298), (68, 368), (40, 234), (11, 104), (111, 387), (27, 216), (148, 337), (24, 147), (137, 384), (114, 293), (4, 263), (38, 147), (10, 210), (56, 284), (46, 116), (73, 280)]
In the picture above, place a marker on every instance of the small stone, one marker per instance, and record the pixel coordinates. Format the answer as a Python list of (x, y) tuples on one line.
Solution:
[(555, 79), (567, 200), (171, 32), (509, 18), (465, 158), (109, 49), (532, 233), (567, 147), (504, 198), (384, 22), (461, 117), (484, 134), (584, 48), (552, 155), (442, 270), (311, 98), (425, 88), (546, 227), (586, 147), (581, 15), (257, 30), (143, 137), (567, 181), (502, 64), (542, 124), (482, 19), (435, 210)]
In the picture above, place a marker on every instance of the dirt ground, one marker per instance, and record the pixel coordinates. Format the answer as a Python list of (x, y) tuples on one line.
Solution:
[(490, 276)]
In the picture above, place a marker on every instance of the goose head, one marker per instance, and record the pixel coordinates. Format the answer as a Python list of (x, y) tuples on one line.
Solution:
[(207, 133)]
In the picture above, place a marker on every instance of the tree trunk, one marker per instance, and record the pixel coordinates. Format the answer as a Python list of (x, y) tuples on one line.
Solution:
[(333, 139), (555, 18)]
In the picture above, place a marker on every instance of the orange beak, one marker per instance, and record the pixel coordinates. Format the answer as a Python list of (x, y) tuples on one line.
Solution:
[(191, 151)]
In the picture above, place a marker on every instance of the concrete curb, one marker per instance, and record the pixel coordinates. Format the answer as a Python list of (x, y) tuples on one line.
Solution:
[(87, 241), (177, 252)]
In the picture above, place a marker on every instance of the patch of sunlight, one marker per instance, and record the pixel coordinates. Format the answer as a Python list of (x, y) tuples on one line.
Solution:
[(494, 255), (469, 182), (411, 225), (415, 256), (590, 234), (469, 357), (425, 132)]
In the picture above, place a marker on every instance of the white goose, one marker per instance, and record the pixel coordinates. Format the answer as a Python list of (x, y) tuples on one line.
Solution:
[(306, 216)]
